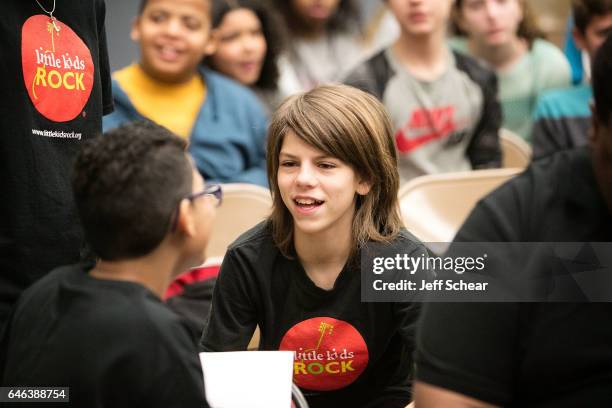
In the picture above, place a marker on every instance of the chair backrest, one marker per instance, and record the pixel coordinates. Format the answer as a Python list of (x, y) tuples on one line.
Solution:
[(516, 153), (434, 207), (244, 206)]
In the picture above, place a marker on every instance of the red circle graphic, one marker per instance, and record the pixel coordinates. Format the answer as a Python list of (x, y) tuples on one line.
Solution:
[(329, 354), (57, 68)]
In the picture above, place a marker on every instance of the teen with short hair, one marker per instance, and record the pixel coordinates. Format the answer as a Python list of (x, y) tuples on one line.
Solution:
[(102, 330), (332, 167), (562, 117), (504, 34), (443, 104), (224, 121)]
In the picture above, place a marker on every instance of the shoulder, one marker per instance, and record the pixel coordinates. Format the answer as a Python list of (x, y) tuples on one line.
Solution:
[(372, 74), (408, 242), (565, 102), (547, 181), (254, 241), (230, 97), (544, 50), (227, 87), (476, 69), (47, 284)]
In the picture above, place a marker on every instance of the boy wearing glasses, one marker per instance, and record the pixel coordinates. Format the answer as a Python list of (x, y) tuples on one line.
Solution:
[(102, 329)]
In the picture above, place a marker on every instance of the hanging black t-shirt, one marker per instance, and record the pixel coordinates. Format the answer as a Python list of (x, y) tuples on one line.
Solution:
[(527, 354), (55, 85), (347, 353), (114, 343)]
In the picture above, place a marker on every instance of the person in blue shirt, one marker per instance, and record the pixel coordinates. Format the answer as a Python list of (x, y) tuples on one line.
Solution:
[(223, 121), (562, 116)]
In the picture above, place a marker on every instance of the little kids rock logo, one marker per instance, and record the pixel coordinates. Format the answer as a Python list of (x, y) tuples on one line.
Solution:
[(329, 354), (57, 68)]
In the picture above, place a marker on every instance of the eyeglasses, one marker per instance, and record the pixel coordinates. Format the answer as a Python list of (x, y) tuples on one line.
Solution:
[(214, 190)]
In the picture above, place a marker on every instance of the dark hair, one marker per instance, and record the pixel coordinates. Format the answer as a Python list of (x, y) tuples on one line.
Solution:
[(353, 126), (143, 4), (585, 10), (272, 30), (345, 18), (127, 185), (527, 29), (602, 83)]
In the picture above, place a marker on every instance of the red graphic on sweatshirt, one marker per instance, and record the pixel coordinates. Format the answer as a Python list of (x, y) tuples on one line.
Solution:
[(425, 126), (57, 68), (329, 354)]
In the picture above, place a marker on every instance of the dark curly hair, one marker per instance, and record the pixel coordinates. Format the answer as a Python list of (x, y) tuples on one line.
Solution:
[(345, 18), (273, 32), (143, 4), (585, 10), (127, 185)]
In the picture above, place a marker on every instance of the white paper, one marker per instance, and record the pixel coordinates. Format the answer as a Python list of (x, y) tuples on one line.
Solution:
[(248, 378)]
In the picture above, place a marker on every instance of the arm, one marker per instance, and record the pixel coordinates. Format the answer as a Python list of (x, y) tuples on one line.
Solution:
[(484, 150), (430, 396), (232, 317)]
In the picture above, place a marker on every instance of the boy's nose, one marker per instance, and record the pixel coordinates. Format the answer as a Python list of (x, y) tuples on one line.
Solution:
[(306, 176), (173, 27)]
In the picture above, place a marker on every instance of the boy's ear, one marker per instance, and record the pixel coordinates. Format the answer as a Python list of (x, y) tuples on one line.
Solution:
[(364, 187), (579, 39), (135, 31), (186, 219)]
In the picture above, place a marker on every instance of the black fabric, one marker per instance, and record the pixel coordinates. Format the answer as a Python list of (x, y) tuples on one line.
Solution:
[(527, 354), (39, 229), (257, 285), (194, 303), (484, 150), (550, 135), (114, 343)]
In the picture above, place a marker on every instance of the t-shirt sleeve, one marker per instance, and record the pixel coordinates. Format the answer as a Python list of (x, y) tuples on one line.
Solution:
[(103, 61), (232, 318), (471, 348), (557, 71)]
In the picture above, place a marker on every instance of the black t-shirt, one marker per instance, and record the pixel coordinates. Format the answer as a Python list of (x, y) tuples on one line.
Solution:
[(114, 343), (527, 354), (55, 87), (347, 353)]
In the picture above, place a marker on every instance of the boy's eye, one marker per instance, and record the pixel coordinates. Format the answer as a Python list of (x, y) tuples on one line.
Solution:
[(157, 17), (192, 24), (326, 166), (288, 163), (229, 37)]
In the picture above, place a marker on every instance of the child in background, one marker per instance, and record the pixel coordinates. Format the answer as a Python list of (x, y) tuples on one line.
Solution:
[(332, 167), (443, 104), (562, 117), (248, 35), (325, 41), (224, 121), (503, 33)]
